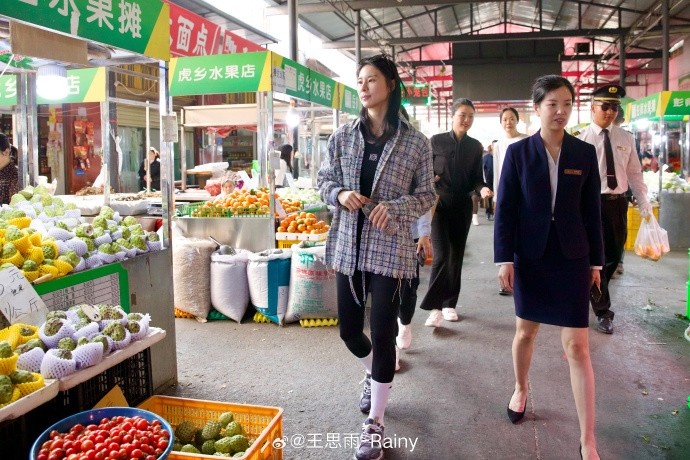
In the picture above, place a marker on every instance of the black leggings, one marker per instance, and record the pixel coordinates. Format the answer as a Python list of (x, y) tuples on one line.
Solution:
[(385, 300), (408, 302)]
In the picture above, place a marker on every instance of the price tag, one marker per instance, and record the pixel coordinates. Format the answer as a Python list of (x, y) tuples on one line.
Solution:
[(19, 302)]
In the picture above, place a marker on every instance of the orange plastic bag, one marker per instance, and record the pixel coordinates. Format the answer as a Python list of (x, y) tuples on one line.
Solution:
[(652, 240)]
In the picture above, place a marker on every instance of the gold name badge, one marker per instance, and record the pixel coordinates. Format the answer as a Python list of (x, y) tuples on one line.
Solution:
[(574, 172)]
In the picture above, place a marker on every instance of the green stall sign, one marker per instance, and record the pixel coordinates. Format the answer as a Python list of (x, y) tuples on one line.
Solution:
[(672, 104), (140, 26), (84, 85), (260, 71), (8, 90)]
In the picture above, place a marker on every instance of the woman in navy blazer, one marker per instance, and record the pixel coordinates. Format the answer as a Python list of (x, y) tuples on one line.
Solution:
[(548, 243)]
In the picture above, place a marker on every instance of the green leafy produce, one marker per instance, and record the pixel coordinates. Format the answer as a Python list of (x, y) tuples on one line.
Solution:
[(125, 232), (22, 376), (152, 236), (5, 349)]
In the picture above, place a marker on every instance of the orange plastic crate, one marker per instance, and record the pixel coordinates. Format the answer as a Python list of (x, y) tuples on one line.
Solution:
[(262, 423)]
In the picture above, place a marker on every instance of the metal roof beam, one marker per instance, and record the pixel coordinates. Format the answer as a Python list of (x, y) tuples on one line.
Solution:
[(464, 38), (329, 6)]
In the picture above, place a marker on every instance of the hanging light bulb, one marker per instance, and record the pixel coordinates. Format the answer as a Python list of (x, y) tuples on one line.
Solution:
[(51, 82)]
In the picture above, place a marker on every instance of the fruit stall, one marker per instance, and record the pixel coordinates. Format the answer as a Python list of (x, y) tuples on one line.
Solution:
[(104, 260), (661, 122), (245, 218)]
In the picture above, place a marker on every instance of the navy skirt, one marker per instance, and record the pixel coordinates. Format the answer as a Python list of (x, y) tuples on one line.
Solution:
[(554, 289)]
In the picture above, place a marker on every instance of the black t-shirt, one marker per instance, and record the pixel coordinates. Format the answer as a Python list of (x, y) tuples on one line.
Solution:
[(372, 154)]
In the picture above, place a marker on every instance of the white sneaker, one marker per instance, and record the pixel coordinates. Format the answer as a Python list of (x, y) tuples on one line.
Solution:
[(449, 314), (434, 319), (475, 219), (397, 359), (404, 338)]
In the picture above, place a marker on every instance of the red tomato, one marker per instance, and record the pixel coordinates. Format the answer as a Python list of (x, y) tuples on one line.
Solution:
[(141, 424), (87, 445), (137, 453)]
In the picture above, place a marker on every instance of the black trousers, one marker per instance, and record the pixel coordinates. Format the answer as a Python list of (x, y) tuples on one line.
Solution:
[(408, 298), (614, 220), (385, 301), (449, 230)]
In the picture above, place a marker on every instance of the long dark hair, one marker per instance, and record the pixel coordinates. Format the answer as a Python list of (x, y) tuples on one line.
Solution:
[(509, 109), (4, 142), (387, 67), (285, 152)]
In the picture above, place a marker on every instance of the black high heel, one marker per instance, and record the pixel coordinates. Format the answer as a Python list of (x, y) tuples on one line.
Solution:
[(516, 416)]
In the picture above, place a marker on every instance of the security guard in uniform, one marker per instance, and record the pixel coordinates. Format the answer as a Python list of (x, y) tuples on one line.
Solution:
[(619, 168)]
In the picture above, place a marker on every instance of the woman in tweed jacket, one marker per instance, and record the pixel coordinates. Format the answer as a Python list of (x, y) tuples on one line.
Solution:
[(378, 176)]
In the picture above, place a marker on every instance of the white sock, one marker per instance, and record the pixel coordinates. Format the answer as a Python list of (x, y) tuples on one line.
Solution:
[(380, 392), (366, 361)]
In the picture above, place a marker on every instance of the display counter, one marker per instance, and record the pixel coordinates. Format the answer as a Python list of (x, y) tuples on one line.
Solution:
[(251, 233)]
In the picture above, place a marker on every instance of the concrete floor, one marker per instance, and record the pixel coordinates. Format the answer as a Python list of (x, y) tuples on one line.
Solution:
[(451, 393)]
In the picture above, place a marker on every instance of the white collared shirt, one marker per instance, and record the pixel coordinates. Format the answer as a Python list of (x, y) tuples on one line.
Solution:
[(553, 177), (625, 160)]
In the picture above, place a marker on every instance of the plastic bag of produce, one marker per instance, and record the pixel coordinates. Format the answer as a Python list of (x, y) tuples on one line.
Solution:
[(229, 284), (268, 273), (652, 240), (191, 275), (312, 285)]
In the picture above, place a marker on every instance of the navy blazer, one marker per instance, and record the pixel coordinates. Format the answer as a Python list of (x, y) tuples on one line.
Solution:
[(523, 217)]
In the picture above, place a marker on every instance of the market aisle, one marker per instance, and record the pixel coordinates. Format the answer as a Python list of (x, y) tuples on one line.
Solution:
[(451, 393)]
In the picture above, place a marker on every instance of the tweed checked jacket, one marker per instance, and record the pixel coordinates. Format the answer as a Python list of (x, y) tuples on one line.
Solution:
[(403, 182)]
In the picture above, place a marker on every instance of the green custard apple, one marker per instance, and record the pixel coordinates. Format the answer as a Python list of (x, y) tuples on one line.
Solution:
[(90, 245), (129, 220), (82, 341), (29, 266), (52, 326), (12, 233), (185, 432), (22, 376), (16, 199), (6, 265), (85, 230), (99, 222), (27, 192), (6, 389), (190, 449), (70, 207), (63, 354), (62, 225), (225, 418), (138, 241), (135, 316), (49, 251), (108, 248), (208, 447), (61, 314), (100, 338), (36, 343), (152, 237), (5, 349), (67, 343), (15, 214), (125, 232), (26, 331), (107, 212), (8, 250), (211, 430), (57, 201), (98, 232), (115, 330)]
